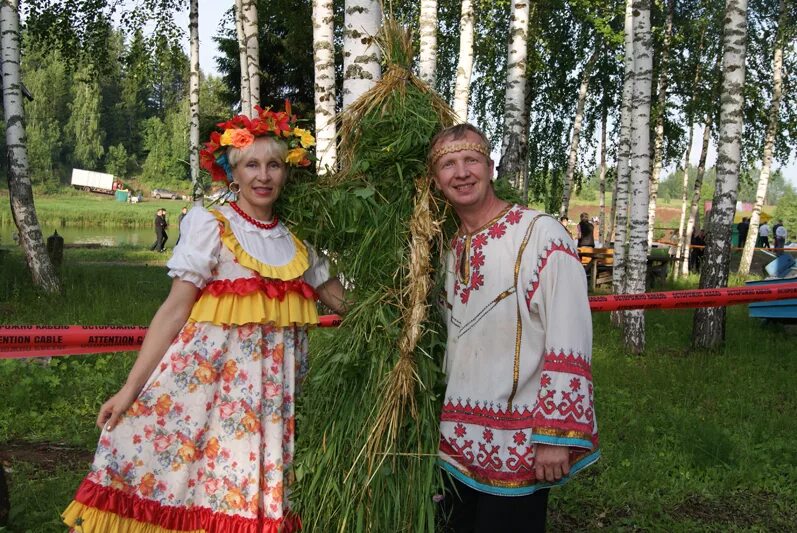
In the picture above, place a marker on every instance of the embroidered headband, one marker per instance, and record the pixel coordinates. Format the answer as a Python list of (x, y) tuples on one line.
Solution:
[(240, 132), (458, 147)]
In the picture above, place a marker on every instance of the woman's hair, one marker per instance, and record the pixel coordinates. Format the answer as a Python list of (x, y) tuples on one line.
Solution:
[(273, 148)]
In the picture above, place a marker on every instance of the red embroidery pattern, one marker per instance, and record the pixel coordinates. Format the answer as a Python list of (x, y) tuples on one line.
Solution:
[(542, 261), (564, 401), (477, 259)]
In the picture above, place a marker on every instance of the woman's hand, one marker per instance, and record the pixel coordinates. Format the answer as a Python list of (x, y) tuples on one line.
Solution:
[(115, 407)]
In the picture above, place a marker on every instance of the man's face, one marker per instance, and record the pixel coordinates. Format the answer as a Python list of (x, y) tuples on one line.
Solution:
[(464, 177)]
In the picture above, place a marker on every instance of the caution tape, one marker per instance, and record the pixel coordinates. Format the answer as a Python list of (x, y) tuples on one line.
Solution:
[(53, 341)]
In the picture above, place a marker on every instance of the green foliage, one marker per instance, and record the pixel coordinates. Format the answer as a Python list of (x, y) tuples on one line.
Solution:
[(285, 39), (167, 145), (46, 77), (83, 128), (787, 211), (117, 162)]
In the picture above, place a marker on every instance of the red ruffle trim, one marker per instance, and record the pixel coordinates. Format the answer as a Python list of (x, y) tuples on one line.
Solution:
[(273, 288), (179, 518)]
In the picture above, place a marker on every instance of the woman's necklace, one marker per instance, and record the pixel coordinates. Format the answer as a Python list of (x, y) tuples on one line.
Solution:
[(253, 221)]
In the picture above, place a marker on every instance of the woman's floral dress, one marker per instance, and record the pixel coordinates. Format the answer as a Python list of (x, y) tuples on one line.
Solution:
[(208, 444)]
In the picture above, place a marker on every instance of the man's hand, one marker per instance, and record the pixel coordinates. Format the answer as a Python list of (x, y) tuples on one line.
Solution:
[(551, 463)]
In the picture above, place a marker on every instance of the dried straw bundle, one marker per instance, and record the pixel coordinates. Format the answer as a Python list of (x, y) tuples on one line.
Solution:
[(368, 421)]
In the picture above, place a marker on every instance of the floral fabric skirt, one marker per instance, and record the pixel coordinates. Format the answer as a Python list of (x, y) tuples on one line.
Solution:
[(208, 444)]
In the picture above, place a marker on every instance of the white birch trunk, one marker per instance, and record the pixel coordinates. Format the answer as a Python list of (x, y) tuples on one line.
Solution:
[(602, 176), (19, 186), (684, 167), (639, 163), (427, 62), (239, 29), (324, 60), (193, 30), (249, 19), (513, 151), (658, 143), (681, 266), (622, 180), (465, 63), (709, 322), (361, 55), (695, 204), (574, 139), (769, 145)]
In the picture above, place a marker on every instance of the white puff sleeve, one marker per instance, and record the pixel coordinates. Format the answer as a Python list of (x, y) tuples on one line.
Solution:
[(197, 254), (318, 272)]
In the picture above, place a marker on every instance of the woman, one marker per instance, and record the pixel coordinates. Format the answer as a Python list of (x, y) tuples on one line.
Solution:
[(200, 437)]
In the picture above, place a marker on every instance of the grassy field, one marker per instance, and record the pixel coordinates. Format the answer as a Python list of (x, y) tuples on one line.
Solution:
[(77, 208), (692, 441)]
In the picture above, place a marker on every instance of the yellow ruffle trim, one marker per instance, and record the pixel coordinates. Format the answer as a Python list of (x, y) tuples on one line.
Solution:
[(84, 519), (254, 308), (291, 270)]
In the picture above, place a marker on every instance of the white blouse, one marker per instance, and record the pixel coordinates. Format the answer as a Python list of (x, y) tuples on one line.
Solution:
[(197, 254)]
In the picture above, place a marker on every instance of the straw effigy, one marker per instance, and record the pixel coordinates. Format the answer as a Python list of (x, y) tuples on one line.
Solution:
[(367, 423)]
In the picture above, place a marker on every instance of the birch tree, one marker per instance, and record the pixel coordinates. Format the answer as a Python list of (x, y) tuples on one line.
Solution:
[(465, 62), (427, 22), (249, 20), (575, 136), (193, 97), (639, 167), (246, 95), (661, 113), (602, 173), (684, 168), (19, 186), (695, 204), (513, 152), (624, 149), (769, 144), (709, 322), (361, 56), (324, 60)]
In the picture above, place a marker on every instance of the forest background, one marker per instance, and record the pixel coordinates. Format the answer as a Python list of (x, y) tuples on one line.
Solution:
[(110, 93)]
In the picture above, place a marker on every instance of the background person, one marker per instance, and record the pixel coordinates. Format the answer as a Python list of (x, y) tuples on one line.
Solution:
[(763, 235)]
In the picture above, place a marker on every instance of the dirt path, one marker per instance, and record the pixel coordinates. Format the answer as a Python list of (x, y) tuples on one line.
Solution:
[(47, 456)]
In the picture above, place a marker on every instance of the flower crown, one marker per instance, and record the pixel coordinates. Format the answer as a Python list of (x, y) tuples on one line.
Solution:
[(240, 131)]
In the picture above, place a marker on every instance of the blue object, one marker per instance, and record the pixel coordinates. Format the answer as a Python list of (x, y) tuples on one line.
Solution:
[(777, 309), (780, 266)]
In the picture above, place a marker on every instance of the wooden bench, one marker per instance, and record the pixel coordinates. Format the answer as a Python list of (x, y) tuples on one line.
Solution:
[(599, 261)]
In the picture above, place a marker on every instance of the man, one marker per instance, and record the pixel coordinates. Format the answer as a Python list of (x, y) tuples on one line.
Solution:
[(780, 237), (763, 235), (518, 413), (699, 246), (586, 232), (183, 212), (743, 228), (160, 231)]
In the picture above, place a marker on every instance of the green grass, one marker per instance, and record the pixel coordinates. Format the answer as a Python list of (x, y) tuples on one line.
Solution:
[(80, 209), (691, 441)]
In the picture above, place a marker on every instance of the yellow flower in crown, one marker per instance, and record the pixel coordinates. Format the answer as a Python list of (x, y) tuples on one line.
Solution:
[(305, 137), (297, 157), (239, 138)]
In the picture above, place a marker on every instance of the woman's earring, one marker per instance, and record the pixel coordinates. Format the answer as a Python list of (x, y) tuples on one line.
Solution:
[(234, 187)]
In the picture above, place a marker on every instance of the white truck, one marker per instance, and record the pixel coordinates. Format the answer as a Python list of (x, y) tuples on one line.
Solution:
[(89, 180)]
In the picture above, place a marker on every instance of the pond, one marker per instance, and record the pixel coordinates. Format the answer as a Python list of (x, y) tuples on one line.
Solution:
[(128, 237)]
